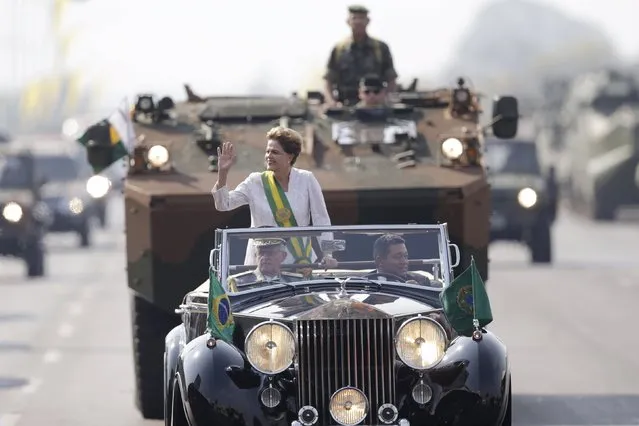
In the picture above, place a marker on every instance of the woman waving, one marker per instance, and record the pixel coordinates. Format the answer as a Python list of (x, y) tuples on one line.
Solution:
[(282, 195)]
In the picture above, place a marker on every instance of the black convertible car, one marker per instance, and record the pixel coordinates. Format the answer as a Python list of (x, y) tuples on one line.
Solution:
[(364, 343)]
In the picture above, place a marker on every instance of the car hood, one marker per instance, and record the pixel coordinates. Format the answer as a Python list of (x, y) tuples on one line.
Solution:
[(71, 189), (333, 305), (20, 196), (517, 181)]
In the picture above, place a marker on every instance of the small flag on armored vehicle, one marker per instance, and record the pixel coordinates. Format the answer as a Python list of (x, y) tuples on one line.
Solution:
[(220, 321), (466, 300), (109, 140)]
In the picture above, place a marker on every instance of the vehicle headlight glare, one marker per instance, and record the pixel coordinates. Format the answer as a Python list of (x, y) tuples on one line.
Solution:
[(527, 197), (452, 148), (270, 347), (76, 206), (98, 186), (12, 212), (421, 343), (158, 155)]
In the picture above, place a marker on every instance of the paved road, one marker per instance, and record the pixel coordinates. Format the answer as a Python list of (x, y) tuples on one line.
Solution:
[(65, 357)]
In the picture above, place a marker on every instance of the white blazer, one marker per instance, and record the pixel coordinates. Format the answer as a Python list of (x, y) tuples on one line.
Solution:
[(304, 195)]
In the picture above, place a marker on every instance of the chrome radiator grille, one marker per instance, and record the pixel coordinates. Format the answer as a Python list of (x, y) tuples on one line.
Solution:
[(333, 354)]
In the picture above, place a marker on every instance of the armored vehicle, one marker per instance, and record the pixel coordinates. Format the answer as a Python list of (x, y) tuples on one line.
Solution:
[(524, 202), (418, 161), (23, 217), (600, 164)]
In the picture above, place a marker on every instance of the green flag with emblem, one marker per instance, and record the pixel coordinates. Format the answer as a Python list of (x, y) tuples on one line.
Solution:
[(115, 136), (466, 300), (219, 320)]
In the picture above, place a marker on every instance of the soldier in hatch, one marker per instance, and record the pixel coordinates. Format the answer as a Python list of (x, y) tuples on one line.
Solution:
[(372, 91), (270, 253), (391, 257), (355, 57)]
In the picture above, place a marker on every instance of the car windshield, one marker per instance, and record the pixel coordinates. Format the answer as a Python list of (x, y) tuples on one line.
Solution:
[(14, 171), (512, 157), (412, 254), (56, 168)]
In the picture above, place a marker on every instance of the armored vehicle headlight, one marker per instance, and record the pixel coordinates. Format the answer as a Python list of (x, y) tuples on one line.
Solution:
[(12, 212), (421, 343), (452, 148), (158, 155), (348, 406), (270, 347), (527, 197), (98, 186)]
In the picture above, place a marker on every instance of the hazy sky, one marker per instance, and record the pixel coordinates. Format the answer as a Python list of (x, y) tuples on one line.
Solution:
[(278, 45)]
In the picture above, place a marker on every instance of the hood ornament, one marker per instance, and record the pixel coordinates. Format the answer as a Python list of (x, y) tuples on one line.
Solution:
[(342, 290)]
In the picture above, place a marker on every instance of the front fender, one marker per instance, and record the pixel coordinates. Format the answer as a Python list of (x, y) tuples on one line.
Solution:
[(472, 380), (219, 387)]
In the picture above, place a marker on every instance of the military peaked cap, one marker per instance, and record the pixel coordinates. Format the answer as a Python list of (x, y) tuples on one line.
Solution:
[(269, 242), (357, 8)]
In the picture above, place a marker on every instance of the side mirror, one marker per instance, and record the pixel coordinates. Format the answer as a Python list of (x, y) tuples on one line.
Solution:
[(316, 96), (505, 117)]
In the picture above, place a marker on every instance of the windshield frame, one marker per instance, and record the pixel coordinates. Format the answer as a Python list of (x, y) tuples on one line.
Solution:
[(219, 259)]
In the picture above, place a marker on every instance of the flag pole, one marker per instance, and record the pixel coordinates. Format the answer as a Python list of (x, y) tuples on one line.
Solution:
[(477, 335)]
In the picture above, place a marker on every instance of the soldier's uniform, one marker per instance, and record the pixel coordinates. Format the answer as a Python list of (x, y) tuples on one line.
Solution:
[(350, 60), (235, 282)]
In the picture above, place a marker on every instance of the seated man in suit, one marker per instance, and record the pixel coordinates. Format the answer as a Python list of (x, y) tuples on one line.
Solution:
[(270, 253), (391, 257)]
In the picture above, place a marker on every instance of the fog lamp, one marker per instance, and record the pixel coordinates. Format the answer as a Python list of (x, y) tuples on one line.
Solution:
[(348, 406), (452, 148), (422, 393), (12, 212), (145, 104), (527, 197)]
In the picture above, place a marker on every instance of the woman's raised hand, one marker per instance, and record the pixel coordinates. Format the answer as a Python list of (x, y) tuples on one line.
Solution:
[(225, 156)]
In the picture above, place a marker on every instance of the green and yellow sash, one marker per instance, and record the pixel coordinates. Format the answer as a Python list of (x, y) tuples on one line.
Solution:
[(283, 215)]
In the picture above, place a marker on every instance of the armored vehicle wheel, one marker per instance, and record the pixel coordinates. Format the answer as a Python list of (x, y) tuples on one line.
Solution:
[(540, 242), (34, 258), (85, 234), (150, 327)]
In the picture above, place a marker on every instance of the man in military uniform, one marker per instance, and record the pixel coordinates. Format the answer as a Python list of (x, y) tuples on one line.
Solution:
[(270, 253), (391, 257), (355, 57)]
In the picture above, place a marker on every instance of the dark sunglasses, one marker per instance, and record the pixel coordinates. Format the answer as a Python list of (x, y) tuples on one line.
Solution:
[(369, 91)]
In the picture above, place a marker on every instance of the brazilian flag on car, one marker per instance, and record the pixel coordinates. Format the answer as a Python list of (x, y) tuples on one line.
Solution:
[(466, 302), (220, 321)]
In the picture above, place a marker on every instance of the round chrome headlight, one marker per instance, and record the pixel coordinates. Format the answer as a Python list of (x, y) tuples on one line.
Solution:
[(98, 186), (12, 212), (158, 155), (421, 343), (452, 148), (270, 347), (527, 197), (348, 406)]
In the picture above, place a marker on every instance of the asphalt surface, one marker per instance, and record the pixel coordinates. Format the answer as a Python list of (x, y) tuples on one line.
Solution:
[(65, 340)]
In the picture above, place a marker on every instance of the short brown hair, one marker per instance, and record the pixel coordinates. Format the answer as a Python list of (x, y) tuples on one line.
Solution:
[(290, 140)]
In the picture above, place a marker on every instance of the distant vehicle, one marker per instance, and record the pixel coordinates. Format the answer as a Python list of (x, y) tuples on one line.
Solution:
[(345, 346), (524, 202), (71, 191), (599, 169), (23, 217)]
